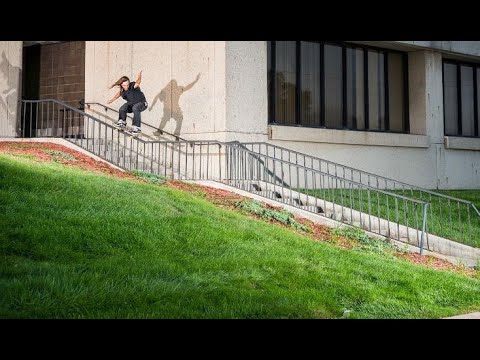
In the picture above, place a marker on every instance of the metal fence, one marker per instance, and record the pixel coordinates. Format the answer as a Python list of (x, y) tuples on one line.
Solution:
[(186, 160), (379, 211), (449, 217)]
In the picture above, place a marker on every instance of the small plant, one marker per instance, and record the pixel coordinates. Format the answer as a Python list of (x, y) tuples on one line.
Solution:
[(283, 216), (151, 178), (60, 154), (24, 156), (367, 243)]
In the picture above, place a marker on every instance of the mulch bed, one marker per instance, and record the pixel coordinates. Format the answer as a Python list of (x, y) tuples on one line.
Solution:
[(39, 151)]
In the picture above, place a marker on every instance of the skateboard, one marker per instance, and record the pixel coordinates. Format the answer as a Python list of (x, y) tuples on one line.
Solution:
[(126, 129)]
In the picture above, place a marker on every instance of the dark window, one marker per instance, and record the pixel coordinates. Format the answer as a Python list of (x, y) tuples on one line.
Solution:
[(376, 91), (355, 89), (333, 87), (310, 83), (337, 86), (460, 98), (285, 82), (396, 92), (450, 105)]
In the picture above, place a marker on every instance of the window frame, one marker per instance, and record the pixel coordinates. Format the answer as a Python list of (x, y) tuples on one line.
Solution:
[(271, 46), (475, 67)]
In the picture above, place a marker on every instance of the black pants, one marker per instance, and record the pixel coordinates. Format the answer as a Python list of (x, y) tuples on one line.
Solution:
[(136, 109)]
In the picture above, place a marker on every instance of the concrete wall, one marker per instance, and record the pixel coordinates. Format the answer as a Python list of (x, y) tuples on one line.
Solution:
[(246, 90), (183, 81), (10, 86), (460, 47)]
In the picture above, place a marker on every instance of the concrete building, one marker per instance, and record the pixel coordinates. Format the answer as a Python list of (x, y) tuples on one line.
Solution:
[(407, 110)]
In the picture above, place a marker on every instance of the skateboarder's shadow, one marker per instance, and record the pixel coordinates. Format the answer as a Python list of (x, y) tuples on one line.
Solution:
[(8, 97), (170, 96)]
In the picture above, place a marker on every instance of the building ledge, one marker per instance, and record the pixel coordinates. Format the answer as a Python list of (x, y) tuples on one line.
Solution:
[(304, 134), (462, 143)]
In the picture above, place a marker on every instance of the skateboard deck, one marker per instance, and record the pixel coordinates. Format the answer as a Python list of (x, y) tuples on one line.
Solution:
[(126, 129)]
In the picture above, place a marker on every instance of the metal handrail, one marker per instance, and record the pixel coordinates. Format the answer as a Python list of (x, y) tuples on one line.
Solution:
[(74, 127), (129, 116), (358, 170), (174, 158), (454, 216), (246, 172), (334, 176), (205, 142)]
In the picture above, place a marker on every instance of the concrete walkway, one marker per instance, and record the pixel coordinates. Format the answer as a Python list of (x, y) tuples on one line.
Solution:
[(475, 315)]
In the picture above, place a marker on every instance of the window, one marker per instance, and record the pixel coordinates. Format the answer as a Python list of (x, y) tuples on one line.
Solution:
[(310, 84), (461, 98), (337, 86)]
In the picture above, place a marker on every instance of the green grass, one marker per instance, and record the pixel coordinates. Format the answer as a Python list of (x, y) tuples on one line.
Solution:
[(75, 244), (447, 219)]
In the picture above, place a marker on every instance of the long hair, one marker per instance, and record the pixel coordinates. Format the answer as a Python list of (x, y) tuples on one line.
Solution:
[(120, 81)]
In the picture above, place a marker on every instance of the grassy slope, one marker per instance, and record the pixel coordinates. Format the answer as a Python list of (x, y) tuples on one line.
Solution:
[(81, 245)]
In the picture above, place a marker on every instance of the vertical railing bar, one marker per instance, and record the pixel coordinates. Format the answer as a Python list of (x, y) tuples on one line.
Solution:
[(30, 124), (208, 160), (415, 206), (144, 155), (388, 215), (440, 225), (200, 165), (469, 223), (36, 121), (424, 225), (369, 207), (93, 137), (351, 202), (405, 208), (165, 159), (450, 216), (397, 218), (378, 208), (460, 227), (24, 118)]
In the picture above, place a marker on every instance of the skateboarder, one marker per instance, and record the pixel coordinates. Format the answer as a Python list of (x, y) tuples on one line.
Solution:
[(136, 101)]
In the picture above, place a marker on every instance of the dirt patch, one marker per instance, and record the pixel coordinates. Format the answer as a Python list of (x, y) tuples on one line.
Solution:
[(434, 263), (45, 152)]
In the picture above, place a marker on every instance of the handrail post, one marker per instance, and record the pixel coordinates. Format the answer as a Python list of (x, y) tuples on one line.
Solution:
[(424, 225)]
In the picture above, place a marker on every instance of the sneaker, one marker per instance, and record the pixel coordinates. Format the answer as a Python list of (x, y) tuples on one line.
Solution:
[(135, 130), (121, 123)]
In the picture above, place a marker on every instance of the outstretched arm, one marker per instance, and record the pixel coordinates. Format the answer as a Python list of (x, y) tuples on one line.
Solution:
[(139, 79), (117, 95), (189, 86), (154, 101)]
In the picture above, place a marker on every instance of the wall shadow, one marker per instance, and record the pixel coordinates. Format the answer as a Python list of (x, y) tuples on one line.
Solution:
[(9, 104), (170, 96)]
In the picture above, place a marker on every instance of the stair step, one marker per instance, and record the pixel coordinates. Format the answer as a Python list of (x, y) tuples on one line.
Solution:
[(312, 208)]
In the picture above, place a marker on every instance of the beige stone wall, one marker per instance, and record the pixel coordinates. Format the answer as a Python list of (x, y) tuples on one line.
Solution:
[(10, 86), (247, 93), (183, 81)]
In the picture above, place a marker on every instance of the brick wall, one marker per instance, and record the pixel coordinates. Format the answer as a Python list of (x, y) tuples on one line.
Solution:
[(62, 72)]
